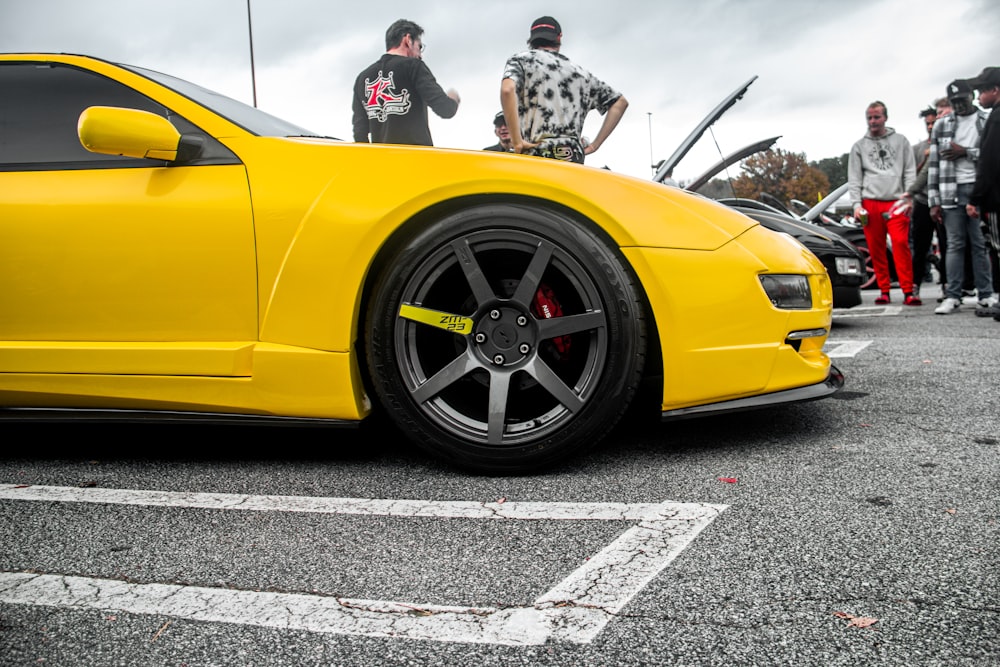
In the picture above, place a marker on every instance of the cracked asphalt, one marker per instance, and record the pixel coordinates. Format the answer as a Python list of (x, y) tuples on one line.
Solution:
[(880, 503)]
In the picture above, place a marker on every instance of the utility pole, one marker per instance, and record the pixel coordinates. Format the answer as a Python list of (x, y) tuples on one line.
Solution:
[(253, 75), (649, 115)]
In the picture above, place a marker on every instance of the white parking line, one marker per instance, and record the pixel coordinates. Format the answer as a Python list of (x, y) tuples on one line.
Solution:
[(867, 311), (839, 349), (575, 610)]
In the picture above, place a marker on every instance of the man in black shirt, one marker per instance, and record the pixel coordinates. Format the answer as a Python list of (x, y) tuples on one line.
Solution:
[(392, 94), (504, 144), (984, 202)]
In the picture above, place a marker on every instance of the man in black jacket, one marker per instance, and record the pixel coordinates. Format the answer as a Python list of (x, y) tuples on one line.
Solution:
[(392, 94), (984, 202)]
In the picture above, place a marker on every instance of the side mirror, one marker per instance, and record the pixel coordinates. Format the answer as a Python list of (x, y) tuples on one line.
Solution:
[(133, 133)]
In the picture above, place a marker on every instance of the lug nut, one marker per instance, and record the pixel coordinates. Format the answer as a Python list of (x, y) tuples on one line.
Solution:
[(498, 360), (480, 338), (495, 314), (525, 348)]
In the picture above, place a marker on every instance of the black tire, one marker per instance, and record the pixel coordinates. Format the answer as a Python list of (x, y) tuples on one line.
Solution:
[(521, 390)]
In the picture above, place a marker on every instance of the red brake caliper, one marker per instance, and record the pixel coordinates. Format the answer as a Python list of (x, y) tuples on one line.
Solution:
[(545, 305)]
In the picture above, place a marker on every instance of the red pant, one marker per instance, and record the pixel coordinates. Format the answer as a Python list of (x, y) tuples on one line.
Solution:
[(898, 229)]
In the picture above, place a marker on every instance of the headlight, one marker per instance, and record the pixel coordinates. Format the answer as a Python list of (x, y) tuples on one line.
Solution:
[(849, 266), (787, 291)]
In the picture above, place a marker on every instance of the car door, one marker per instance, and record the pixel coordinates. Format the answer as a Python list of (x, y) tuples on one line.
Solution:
[(110, 264)]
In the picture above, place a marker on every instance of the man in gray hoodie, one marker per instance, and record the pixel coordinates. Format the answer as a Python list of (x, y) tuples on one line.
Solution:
[(880, 169)]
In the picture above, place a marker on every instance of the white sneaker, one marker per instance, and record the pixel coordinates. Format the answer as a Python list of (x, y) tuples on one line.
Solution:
[(948, 306), (989, 301)]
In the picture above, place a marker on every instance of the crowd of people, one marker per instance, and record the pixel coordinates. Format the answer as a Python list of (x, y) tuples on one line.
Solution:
[(947, 185)]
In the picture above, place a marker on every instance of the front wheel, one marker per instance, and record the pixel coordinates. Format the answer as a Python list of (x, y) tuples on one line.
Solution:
[(505, 338)]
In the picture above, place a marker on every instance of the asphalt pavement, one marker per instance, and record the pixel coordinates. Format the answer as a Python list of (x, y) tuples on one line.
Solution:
[(860, 529)]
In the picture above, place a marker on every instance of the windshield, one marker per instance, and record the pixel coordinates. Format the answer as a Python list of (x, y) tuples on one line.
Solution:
[(249, 118)]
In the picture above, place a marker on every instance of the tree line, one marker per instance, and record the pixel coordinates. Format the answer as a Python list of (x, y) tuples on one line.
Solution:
[(784, 175)]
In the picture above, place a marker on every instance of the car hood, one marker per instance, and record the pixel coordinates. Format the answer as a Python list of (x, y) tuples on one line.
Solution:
[(729, 160), (666, 166), (801, 228), (825, 204)]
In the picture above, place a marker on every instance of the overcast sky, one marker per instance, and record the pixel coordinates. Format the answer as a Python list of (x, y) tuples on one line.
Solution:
[(818, 63)]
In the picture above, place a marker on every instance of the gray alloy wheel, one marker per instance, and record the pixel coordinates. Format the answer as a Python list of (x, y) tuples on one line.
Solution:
[(504, 338)]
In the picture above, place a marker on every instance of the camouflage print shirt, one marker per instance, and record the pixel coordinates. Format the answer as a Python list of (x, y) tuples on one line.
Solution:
[(553, 98)]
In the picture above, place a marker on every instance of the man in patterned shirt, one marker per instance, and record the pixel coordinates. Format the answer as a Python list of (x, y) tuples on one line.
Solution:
[(546, 98), (951, 174)]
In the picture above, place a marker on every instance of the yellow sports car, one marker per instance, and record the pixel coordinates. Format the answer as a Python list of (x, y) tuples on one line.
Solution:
[(167, 252)]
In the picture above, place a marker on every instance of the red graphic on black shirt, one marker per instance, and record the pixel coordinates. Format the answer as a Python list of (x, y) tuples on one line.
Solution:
[(381, 100)]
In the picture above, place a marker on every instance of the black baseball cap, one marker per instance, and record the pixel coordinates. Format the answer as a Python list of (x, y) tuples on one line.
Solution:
[(546, 28), (959, 89), (989, 77), (499, 120)]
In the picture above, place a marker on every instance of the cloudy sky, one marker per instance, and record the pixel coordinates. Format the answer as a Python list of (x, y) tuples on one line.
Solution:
[(818, 63)]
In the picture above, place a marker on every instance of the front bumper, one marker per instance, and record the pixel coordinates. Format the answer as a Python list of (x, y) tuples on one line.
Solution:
[(832, 384)]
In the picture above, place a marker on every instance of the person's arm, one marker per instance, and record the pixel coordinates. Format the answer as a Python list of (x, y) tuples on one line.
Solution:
[(933, 172), (611, 119), (909, 170), (360, 117), (920, 153), (854, 175), (508, 102), (920, 183), (444, 104)]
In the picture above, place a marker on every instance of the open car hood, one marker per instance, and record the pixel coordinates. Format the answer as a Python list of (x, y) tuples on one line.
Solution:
[(665, 166), (825, 204), (732, 158), (768, 206)]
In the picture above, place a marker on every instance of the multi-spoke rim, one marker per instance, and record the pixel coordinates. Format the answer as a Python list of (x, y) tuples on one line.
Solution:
[(479, 347)]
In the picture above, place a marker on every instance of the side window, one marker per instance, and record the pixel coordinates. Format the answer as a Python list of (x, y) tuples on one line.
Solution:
[(40, 104)]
